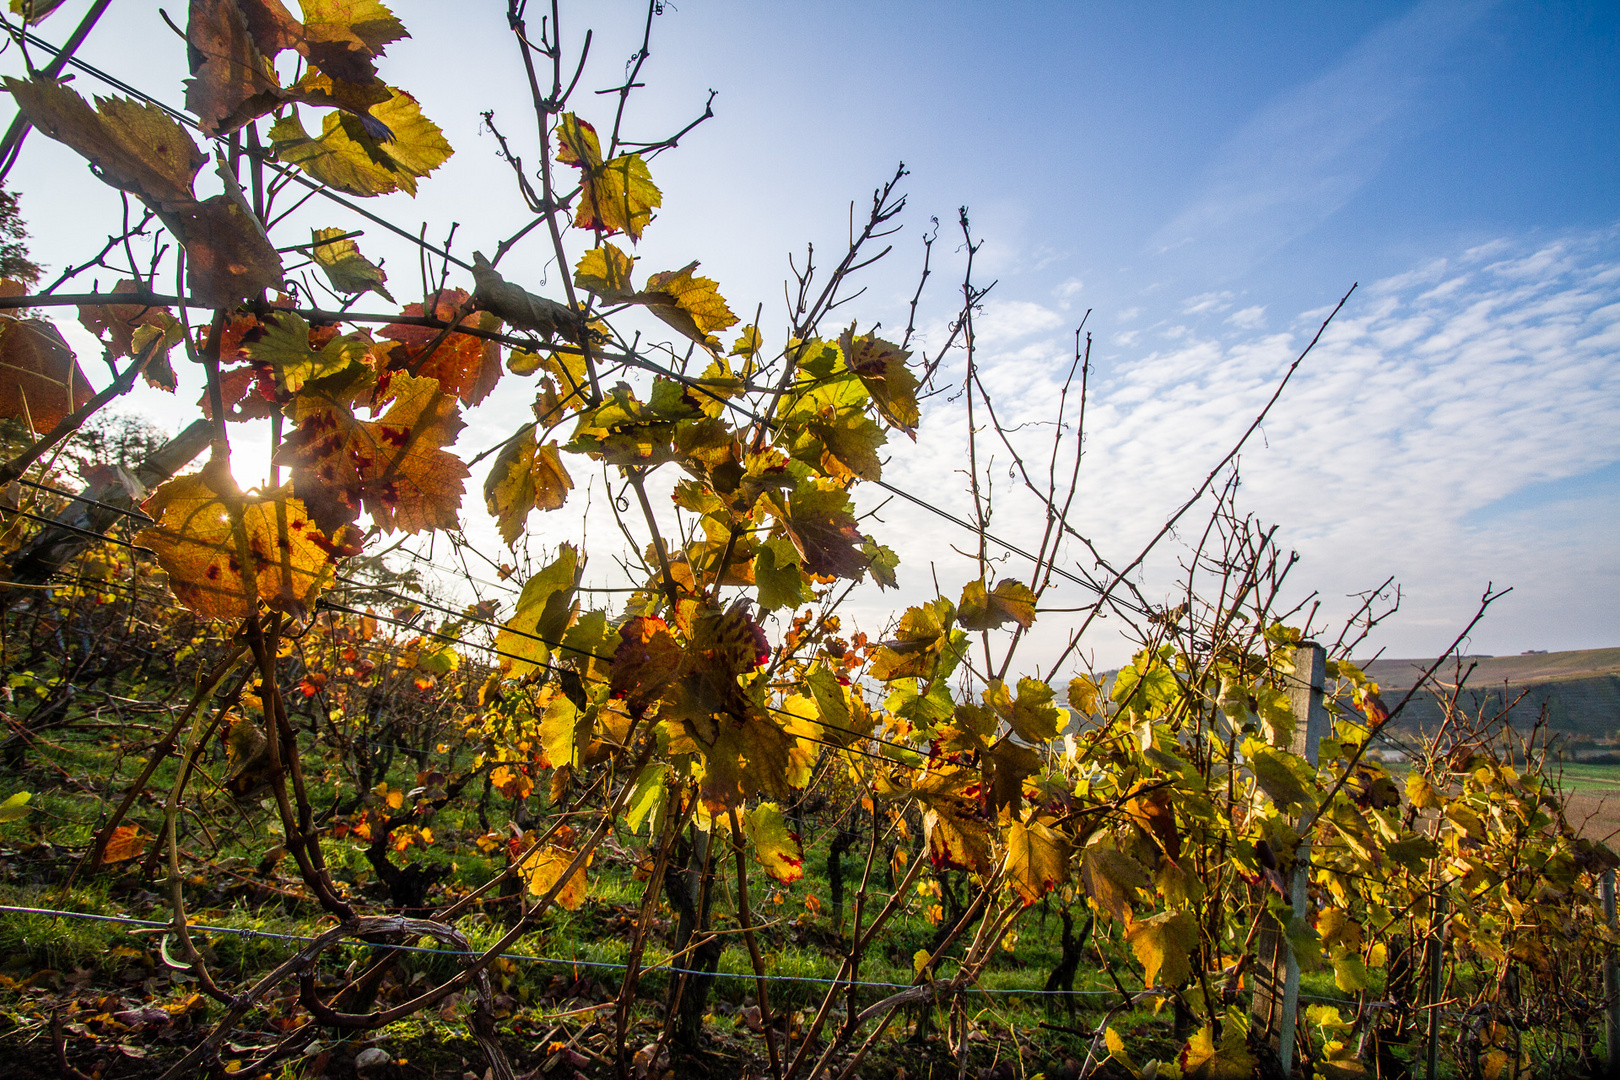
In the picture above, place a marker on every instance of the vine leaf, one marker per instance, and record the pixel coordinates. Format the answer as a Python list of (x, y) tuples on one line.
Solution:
[(526, 476), (232, 82), (224, 553), (125, 843), (1031, 715), (1163, 945), (564, 733), (743, 755), (882, 368), (821, 523), (918, 640), (1112, 879), (1010, 601), (345, 268), (1085, 696), (353, 155), (1037, 859), (283, 345), (272, 25), (1200, 1059), (543, 612), (395, 467), (465, 366), (849, 446), (136, 147), (777, 576), (34, 11), (614, 196), (692, 305), (129, 329), (344, 37), (646, 662), (1275, 777), (542, 870), (40, 379), (228, 256), (957, 840), (605, 271), (775, 846)]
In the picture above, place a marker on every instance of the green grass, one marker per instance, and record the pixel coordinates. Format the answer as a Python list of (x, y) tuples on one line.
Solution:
[(1592, 779)]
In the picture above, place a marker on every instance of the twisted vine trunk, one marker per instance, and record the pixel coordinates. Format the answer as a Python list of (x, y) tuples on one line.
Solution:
[(688, 890)]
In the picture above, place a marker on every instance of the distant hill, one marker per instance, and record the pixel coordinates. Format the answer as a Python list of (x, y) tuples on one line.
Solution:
[(1580, 690)]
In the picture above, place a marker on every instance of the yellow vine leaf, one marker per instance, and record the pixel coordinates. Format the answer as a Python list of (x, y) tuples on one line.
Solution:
[(544, 610), (34, 11), (605, 271), (344, 37), (1085, 696), (1163, 945), (1010, 601), (348, 157), (957, 838), (348, 270), (922, 631), (283, 345), (1113, 879), (1031, 715), (16, 806), (882, 368), (1037, 859), (775, 846), (565, 732), (542, 870), (693, 305), (614, 196), (526, 476), (224, 553), (1201, 1060)]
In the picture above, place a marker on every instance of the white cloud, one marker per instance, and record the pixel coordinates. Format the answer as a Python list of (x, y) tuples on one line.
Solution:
[(1004, 320), (1404, 445), (1210, 301), (1249, 318)]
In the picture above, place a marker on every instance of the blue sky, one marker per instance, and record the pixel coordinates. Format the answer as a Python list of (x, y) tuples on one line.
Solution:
[(1207, 178)]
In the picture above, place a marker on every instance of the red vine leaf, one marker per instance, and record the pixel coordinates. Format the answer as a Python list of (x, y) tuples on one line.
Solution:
[(394, 466), (465, 366)]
